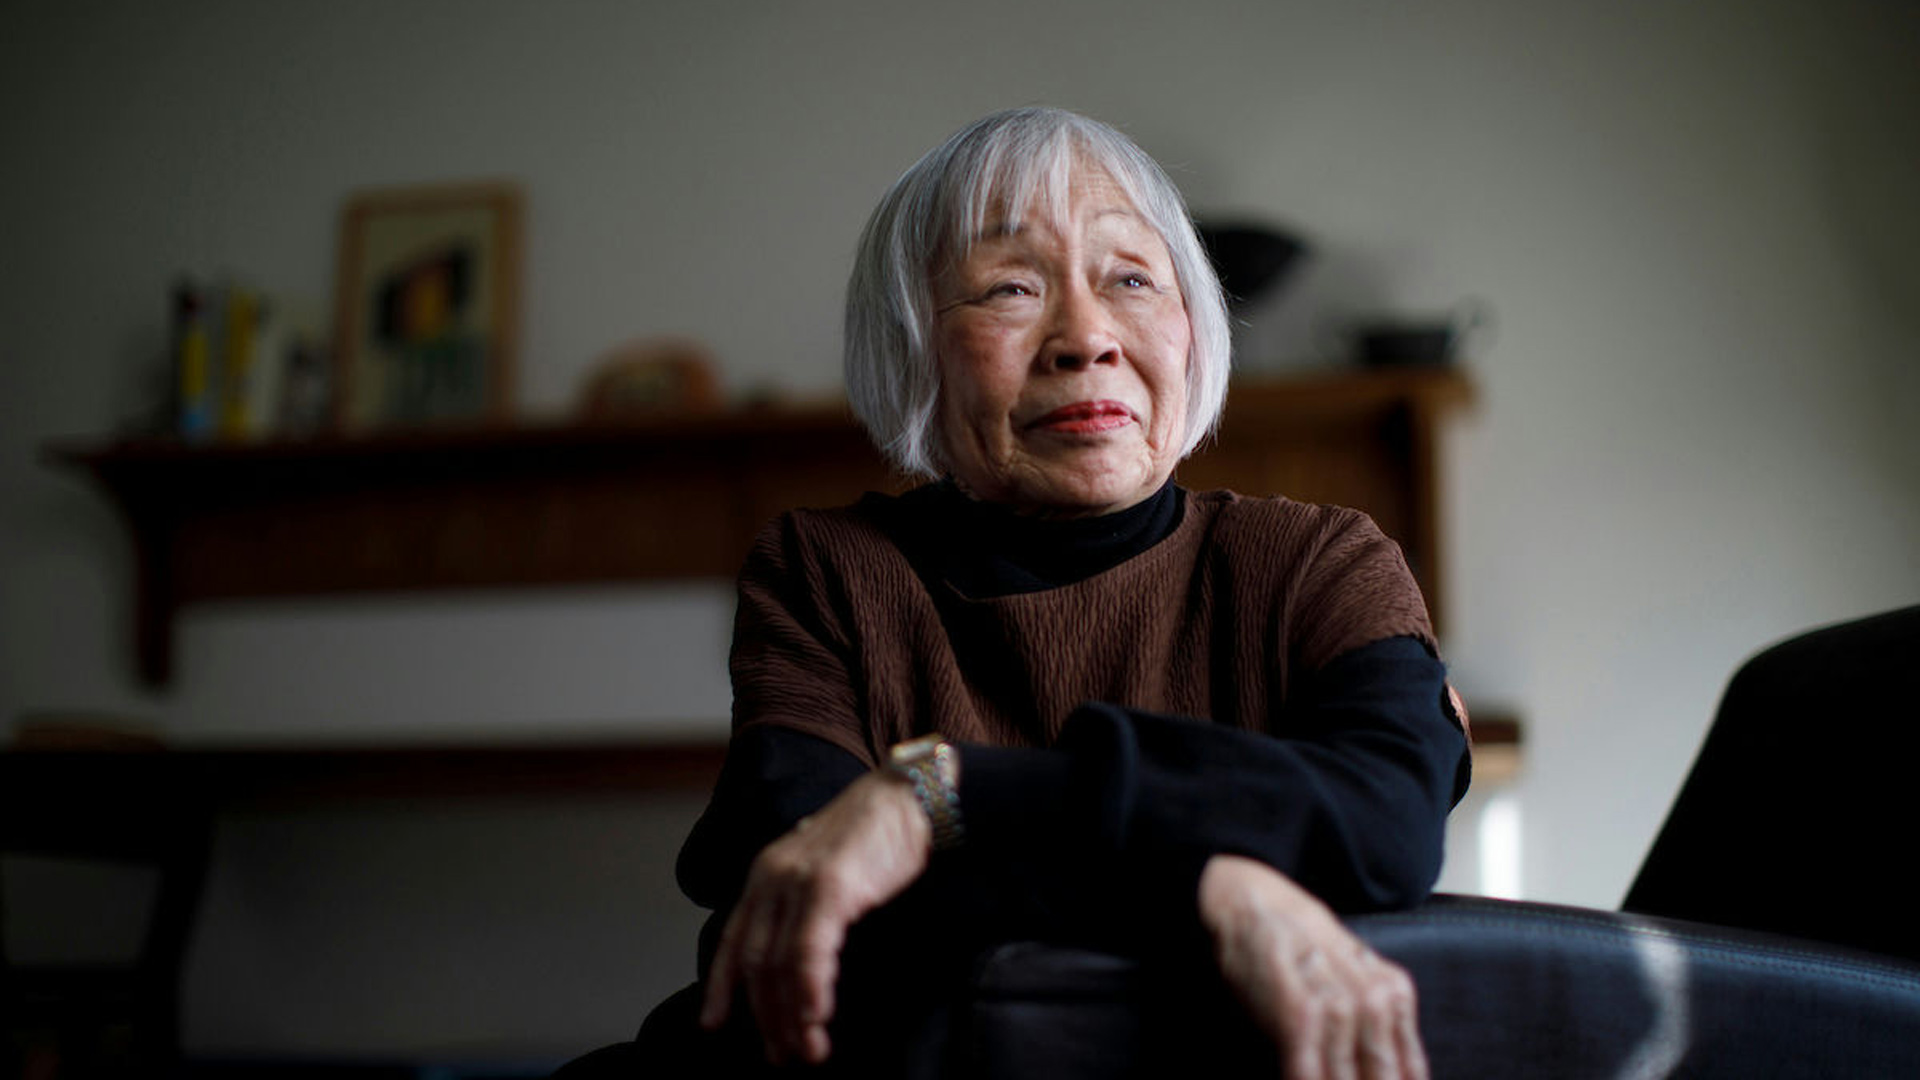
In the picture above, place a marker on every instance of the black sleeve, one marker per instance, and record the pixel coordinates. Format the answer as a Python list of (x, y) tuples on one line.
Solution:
[(1125, 811), (1352, 804)]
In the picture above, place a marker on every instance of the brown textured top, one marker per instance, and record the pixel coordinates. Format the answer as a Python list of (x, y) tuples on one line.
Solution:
[(838, 636)]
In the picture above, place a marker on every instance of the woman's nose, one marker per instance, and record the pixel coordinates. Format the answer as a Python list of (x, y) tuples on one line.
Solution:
[(1082, 332)]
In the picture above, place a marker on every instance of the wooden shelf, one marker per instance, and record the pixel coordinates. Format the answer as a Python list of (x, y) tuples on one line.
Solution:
[(674, 498), (126, 786), (124, 780)]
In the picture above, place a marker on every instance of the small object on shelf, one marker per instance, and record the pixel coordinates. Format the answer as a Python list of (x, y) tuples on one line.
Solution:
[(651, 378), (305, 405), (1415, 341), (192, 364), (1251, 260), (1388, 343), (288, 369), (241, 366)]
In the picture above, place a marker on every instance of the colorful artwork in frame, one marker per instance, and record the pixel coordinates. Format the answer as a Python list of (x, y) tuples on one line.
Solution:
[(427, 307)]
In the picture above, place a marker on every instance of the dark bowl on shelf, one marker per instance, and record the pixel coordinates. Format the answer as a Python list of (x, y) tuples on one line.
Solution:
[(1250, 259), (1407, 344)]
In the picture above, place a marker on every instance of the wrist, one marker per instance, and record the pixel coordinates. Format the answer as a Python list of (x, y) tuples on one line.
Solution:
[(1219, 892), (898, 804), (1235, 890)]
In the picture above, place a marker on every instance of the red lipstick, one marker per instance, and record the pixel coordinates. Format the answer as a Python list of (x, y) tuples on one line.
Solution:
[(1086, 416)]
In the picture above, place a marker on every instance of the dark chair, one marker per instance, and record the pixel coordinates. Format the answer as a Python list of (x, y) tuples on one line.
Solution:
[(96, 800), (1799, 814)]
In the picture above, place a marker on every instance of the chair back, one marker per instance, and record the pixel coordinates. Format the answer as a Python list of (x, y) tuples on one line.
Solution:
[(1799, 814)]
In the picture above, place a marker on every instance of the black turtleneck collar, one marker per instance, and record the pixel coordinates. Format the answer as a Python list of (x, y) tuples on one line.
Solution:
[(987, 550)]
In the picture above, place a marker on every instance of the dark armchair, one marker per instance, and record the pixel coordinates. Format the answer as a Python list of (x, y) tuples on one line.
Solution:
[(1799, 814)]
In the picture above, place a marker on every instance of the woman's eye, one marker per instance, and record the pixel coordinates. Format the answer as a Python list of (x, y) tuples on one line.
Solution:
[(1009, 288), (1134, 279)]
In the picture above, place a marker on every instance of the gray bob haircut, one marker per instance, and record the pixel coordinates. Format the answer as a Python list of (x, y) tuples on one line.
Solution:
[(1016, 159)]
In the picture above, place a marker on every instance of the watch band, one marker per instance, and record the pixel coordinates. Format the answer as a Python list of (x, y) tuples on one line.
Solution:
[(932, 766)]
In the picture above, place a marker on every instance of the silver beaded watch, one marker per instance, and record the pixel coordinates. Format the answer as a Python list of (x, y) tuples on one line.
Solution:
[(932, 766)]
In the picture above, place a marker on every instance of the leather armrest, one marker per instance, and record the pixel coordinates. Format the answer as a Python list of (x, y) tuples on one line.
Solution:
[(1524, 989), (1507, 989)]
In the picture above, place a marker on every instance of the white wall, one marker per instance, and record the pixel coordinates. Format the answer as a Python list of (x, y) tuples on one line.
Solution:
[(1694, 222), (456, 930)]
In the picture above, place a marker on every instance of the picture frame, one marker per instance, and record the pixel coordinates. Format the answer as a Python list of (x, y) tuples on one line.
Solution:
[(427, 306)]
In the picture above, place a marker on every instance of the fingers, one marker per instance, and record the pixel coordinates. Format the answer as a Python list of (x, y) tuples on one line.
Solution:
[(817, 941), (780, 948), (1388, 1032), (742, 959), (1340, 1017), (1355, 1017), (768, 969), (793, 989), (1337, 1009), (723, 976), (1320, 1018), (1406, 1030)]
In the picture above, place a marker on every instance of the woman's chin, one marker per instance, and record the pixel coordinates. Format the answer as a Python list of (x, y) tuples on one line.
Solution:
[(1080, 493)]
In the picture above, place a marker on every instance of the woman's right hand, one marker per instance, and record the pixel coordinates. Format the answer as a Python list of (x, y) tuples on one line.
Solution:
[(1337, 1009), (781, 945)]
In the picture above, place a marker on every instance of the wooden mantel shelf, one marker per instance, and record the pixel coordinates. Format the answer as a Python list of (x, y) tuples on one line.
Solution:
[(112, 782), (672, 498)]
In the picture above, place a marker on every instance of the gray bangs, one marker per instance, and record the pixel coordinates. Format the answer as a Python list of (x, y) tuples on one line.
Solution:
[(1027, 171)]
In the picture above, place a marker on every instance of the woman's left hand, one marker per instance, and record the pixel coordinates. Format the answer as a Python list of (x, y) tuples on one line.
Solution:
[(1338, 1010), (782, 943)]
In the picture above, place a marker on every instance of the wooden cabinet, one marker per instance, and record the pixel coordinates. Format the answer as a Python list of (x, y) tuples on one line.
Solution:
[(673, 498)]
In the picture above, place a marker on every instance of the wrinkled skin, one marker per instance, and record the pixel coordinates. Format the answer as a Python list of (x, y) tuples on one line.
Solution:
[(781, 945), (1338, 1010), (1063, 348)]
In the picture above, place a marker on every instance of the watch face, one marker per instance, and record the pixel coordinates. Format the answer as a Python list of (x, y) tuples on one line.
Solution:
[(914, 749)]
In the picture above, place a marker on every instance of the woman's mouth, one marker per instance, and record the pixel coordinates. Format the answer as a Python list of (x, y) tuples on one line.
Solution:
[(1084, 417)]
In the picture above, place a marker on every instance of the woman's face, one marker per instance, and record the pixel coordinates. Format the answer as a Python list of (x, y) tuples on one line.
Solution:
[(1062, 348)]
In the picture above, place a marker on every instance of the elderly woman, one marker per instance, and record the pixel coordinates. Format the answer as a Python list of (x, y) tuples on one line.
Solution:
[(1051, 693)]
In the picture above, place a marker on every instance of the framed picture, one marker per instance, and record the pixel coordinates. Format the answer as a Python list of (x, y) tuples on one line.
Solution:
[(427, 306)]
